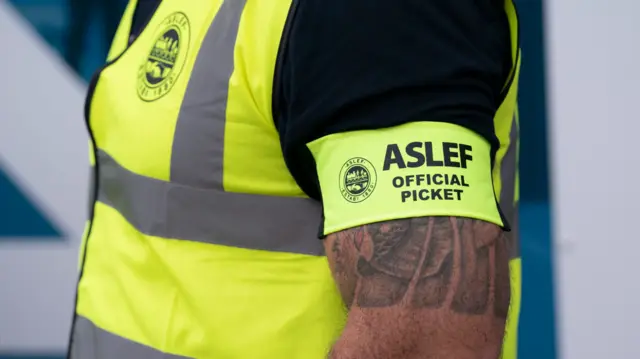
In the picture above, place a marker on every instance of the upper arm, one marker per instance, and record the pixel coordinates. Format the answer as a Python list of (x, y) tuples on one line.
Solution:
[(390, 123), (357, 65), (422, 286), (423, 262)]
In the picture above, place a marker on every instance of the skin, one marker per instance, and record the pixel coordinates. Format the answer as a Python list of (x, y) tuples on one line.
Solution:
[(422, 288)]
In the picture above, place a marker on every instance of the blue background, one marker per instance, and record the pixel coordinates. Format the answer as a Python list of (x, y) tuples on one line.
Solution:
[(21, 218)]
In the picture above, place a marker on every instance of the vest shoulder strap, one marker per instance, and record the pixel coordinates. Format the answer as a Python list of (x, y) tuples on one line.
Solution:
[(121, 39)]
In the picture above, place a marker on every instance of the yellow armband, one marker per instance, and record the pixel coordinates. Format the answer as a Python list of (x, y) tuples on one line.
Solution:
[(413, 170)]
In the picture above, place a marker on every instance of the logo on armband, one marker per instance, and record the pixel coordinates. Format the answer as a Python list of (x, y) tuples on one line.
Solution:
[(357, 180)]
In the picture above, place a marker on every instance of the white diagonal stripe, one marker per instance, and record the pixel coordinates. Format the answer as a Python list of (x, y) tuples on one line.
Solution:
[(43, 149)]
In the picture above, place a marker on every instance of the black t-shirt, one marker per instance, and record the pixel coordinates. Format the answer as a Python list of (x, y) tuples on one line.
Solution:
[(348, 65)]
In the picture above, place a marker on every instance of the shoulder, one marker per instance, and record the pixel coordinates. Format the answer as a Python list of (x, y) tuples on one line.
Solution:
[(349, 59), (357, 64)]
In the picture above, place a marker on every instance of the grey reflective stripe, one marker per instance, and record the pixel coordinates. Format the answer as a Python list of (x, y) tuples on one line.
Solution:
[(171, 210), (515, 234), (198, 144), (91, 342), (92, 191), (508, 172)]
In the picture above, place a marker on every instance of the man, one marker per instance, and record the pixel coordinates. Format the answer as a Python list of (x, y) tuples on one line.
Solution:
[(228, 135)]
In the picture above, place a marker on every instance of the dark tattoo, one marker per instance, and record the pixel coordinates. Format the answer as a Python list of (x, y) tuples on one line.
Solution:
[(434, 262)]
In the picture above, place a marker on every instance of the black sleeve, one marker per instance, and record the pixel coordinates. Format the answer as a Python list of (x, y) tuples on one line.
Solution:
[(362, 64)]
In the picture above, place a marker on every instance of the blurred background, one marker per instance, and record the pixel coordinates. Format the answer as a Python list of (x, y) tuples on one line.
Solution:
[(50, 48)]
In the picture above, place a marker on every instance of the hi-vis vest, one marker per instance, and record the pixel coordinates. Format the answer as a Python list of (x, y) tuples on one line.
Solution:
[(200, 243)]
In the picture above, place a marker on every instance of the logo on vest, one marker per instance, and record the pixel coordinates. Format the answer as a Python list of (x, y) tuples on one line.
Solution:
[(357, 179), (162, 67)]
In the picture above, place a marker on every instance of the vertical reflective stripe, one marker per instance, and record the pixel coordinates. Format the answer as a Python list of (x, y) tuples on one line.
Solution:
[(508, 172), (91, 342), (515, 233), (92, 191), (198, 145)]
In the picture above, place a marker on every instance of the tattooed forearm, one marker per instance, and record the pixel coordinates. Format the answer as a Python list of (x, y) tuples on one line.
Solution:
[(424, 263), (422, 288)]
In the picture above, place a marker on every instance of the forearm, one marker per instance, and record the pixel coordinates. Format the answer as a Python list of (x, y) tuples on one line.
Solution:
[(422, 288)]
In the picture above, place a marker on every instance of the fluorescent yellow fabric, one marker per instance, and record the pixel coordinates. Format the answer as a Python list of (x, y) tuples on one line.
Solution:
[(191, 298), (414, 170), (121, 37), (510, 346), (206, 301)]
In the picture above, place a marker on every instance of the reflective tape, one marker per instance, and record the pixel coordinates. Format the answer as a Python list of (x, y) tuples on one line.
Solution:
[(193, 205), (198, 146), (508, 173), (91, 342), (170, 210)]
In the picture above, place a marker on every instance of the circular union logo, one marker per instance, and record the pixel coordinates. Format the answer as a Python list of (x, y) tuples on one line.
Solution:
[(357, 179), (161, 68)]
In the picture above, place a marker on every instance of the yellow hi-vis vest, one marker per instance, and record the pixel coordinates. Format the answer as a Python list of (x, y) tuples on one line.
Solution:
[(200, 243)]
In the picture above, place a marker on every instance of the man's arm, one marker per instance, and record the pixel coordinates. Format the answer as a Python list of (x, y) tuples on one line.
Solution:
[(373, 115), (430, 287)]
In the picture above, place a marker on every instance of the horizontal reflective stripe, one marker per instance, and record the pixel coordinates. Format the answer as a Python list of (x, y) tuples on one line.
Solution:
[(90, 342), (170, 210), (508, 173), (515, 233)]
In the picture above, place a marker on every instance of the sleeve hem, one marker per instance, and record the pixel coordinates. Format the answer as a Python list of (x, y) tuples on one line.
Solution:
[(376, 219)]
